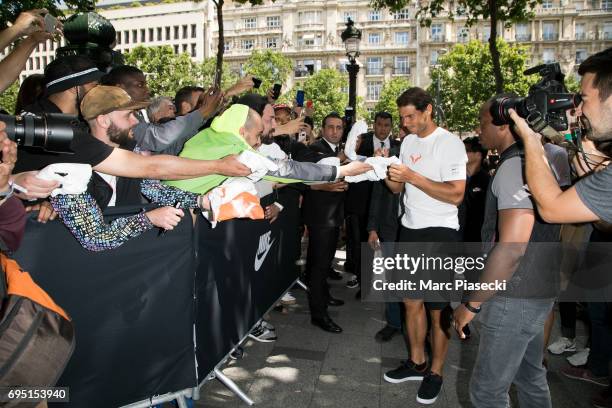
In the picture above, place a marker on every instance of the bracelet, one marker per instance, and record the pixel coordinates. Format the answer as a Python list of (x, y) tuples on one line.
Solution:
[(472, 308)]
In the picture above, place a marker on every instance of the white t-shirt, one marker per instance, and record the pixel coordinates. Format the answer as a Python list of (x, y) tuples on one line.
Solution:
[(440, 157)]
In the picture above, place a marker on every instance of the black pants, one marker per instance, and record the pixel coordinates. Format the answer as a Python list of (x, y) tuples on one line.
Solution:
[(356, 233), (321, 250)]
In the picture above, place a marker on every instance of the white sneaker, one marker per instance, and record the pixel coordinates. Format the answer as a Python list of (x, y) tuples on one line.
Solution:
[(561, 345), (288, 299), (580, 358)]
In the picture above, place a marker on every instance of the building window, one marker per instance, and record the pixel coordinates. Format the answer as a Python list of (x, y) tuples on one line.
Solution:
[(37, 63), (374, 88), (248, 44), (167, 33), (401, 65), (227, 45), (184, 31), (176, 32), (606, 5), (522, 32), (151, 35), (547, 4), (352, 14), (134, 36), (118, 37), (374, 66), (433, 58), (581, 55), (436, 32), (486, 33), (44, 46), (309, 40), (159, 34), (250, 23), (374, 38), (580, 34), (126, 37), (549, 31), (143, 37), (271, 42), (607, 31), (402, 38), (194, 31), (176, 48), (193, 51), (30, 64), (309, 17), (548, 55), (374, 15), (44, 62), (403, 14), (463, 35), (52, 45), (273, 22)]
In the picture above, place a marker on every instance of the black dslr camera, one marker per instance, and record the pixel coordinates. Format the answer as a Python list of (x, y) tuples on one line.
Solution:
[(544, 106), (52, 132)]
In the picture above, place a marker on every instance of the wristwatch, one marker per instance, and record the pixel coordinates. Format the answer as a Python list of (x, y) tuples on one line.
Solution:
[(6, 194), (472, 308)]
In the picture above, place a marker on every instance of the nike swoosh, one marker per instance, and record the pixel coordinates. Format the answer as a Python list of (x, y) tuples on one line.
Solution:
[(260, 260)]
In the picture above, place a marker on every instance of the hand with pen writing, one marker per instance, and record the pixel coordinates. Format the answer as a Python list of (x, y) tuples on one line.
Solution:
[(165, 218)]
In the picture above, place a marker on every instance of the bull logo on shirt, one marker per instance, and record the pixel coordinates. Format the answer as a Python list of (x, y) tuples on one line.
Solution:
[(414, 158)]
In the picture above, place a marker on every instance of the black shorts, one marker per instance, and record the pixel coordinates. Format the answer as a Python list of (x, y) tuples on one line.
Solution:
[(432, 234)]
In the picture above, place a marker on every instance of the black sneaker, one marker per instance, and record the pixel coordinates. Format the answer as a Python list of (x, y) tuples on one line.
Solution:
[(429, 389), (405, 372), (237, 354), (353, 283), (262, 334)]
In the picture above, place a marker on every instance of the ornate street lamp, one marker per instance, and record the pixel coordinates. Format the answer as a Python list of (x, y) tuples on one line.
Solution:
[(351, 37)]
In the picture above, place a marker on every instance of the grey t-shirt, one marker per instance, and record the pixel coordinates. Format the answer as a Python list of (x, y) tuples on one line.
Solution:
[(595, 191), (509, 187)]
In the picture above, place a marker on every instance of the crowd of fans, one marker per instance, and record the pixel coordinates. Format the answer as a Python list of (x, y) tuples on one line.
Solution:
[(504, 186)]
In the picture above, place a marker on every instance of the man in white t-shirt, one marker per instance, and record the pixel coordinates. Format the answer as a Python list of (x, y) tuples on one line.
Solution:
[(432, 176)]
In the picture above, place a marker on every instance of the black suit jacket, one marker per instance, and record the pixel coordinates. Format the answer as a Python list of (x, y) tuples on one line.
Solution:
[(358, 194), (323, 208)]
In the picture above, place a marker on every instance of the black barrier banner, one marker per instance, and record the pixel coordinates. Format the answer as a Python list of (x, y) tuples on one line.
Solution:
[(244, 266), (132, 309)]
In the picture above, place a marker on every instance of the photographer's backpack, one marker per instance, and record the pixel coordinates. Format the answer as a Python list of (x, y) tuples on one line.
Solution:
[(36, 335)]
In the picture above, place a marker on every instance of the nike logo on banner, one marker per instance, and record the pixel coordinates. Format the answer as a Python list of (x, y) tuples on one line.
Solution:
[(265, 244), (415, 158)]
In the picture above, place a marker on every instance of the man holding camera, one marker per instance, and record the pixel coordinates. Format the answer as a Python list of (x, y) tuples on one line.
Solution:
[(589, 200)]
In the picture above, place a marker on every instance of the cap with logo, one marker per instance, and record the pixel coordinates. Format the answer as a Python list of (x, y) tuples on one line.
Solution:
[(106, 99), (73, 70)]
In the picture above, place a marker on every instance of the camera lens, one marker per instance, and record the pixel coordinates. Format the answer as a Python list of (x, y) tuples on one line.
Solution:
[(52, 132)]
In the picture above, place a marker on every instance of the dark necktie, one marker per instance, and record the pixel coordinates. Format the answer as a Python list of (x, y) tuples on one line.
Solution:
[(337, 150)]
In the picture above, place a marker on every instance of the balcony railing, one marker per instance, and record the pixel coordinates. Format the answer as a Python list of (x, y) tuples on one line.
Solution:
[(523, 37), (401, 71), (437, 38), (550, 36), (374, 71), (580, 36)]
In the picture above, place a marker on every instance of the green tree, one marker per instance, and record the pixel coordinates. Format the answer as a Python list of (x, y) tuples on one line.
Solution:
[(467, 80), (269, 66), (165, 71), (9, 10), (505, 11), (207, 71), (324, 89), (391, 90), (8, 98)]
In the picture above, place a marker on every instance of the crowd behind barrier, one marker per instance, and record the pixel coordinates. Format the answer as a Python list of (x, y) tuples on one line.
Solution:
[(134, 308)]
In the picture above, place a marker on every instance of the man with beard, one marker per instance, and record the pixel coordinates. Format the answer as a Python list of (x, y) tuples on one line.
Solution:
[(589, 200)]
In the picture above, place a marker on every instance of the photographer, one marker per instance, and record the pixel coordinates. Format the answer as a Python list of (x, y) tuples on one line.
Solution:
[(589, 200)]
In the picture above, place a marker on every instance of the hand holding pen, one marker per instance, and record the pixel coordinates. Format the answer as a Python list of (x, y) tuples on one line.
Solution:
[(166, 218)]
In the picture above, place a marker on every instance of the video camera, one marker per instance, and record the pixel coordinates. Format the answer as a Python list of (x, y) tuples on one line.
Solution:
[(545, 105), (52, 132)]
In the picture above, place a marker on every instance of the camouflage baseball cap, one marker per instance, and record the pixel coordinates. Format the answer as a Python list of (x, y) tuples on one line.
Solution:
[(106, 99)]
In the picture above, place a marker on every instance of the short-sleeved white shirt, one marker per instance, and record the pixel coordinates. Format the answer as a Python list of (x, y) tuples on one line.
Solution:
[(440, 157)]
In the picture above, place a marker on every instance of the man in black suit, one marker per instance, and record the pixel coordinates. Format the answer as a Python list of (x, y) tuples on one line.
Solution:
[(323, 214), (357, 202)]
